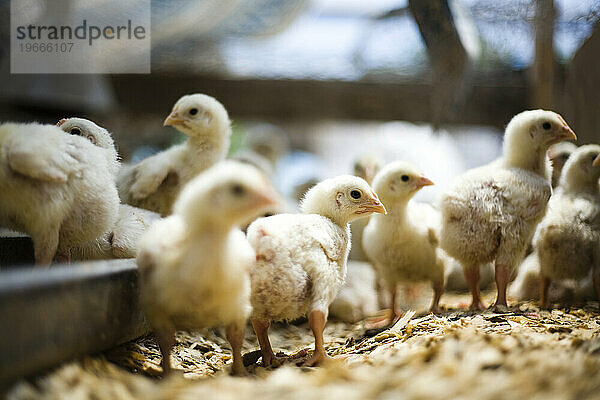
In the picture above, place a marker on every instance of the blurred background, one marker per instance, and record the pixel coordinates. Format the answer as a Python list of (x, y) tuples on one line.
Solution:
[(312, 85)]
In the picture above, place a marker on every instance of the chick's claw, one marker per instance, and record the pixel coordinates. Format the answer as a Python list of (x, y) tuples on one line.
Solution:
[(317, 359)]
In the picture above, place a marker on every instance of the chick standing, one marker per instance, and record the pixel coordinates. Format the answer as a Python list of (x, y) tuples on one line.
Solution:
[(526, 284), (568, 239), (194, 264), (156, 181), (403, 245), (301, 258), (490, 213), (56, 186)]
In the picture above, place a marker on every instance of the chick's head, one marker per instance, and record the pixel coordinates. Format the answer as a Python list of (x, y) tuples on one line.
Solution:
[(366, 166), (97, 135), (582, 169), (342, 199), (399, 181), (196, 115), (536, 130), (228, 194)]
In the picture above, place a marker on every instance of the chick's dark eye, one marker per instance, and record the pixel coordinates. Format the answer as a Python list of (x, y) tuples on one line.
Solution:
[(355, 194), (193, 111), (405, 178), (237, 190), (75, 131), (546, 125)]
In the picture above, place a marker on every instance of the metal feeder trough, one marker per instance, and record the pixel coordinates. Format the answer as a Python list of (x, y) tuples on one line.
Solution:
[(52, 315)]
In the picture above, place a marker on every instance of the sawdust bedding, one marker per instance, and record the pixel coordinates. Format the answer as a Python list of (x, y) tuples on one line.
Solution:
[(524, 353)]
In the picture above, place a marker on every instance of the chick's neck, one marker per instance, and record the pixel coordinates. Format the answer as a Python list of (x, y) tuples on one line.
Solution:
[(209, 228), (395, 207), (215, 142), (518, 155)]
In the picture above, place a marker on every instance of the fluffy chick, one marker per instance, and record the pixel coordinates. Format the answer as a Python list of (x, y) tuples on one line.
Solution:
[(403, 245), (194, 264), (121, 240), (57, 186), (490, 213), (526, 283), (568, 239), (301, 258), (156, 181)]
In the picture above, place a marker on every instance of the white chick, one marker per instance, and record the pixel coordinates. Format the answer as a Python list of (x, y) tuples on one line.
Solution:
[(194, 265), (57, 187), (526, 283), (490, 213), (403, 245), (155, 182), (121, 240), (366, 166), (301, 258), (568, 239), (559, 153), (357, 298)]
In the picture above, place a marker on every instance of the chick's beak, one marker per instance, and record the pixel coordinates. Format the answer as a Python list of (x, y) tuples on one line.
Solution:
[(374, 205), (422, 181), (596, 162), (173, 119), (566, 133)]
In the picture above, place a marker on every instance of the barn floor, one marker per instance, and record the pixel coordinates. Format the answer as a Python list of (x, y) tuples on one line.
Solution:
[(523, 353)]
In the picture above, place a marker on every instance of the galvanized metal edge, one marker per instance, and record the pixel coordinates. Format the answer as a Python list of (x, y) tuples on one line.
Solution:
[(48, 316)]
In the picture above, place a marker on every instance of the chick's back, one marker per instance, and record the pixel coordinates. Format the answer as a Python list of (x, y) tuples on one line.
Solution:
[(300, 262), (491, 213)]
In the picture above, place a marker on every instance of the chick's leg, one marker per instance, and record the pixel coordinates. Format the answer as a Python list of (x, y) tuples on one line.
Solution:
[(438, 289), (261, 328), (166, 340), (394, 314), (387, 320), (317, 320), (472, 277), (235, 337), (501, 284), (544, 285)]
